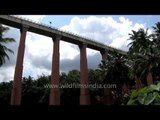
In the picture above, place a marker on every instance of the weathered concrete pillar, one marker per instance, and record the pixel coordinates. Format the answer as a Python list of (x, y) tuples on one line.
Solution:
[(108, 98), (125, 88), (16, 90), (104, 54), (84, 91), (138, 84), (149, 78), (54, 92)]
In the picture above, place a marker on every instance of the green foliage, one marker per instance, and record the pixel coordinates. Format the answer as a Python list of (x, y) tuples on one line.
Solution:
[(149, 95), (70, 96), (3, 49), (34, 92), (144, 52), (5, 92), (114, 68)]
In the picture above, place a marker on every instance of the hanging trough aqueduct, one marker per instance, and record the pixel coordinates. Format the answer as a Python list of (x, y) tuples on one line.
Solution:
[(57, 35)]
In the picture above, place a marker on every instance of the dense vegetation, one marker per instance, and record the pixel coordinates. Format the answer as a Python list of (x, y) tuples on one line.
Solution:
[(34, 92), (3, 49)]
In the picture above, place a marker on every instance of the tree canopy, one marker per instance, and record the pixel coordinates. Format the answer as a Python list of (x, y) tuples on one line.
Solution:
[(3, 49)]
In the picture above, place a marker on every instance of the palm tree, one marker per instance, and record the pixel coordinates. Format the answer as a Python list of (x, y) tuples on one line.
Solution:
[(115, 69), (140, 47), (140, 42), (3, 48), (156, 39), (145, 54), (157, 29)]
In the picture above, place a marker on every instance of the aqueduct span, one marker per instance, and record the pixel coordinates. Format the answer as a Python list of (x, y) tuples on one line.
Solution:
[(57, 35)]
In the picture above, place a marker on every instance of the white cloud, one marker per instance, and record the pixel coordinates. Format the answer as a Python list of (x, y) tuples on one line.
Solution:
[(6, 73), (34, 71), (38, 45), (68, 51), (103, 29), (38, 55)]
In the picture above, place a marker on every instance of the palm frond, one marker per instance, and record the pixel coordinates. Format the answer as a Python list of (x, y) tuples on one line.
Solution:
[(7, 40)]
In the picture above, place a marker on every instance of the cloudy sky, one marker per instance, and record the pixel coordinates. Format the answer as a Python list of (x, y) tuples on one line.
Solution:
[(110, 30)]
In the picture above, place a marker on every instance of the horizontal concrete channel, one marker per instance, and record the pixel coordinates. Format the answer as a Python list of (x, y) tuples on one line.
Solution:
[(49, 31)]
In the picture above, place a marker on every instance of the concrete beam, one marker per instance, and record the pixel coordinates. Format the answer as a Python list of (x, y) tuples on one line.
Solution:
[(48, 31)]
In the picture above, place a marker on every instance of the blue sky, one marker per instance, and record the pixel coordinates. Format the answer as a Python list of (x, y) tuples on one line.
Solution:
[(111, 30), (61, 20)]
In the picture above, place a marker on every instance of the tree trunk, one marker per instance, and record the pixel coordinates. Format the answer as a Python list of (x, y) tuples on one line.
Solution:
[(149, 78)]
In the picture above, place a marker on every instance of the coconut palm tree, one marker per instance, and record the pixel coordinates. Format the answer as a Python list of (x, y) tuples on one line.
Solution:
[(3, 48), (140, 42), (156, 39), (157, 29), (139, 47), (115, 69), (145, 54)]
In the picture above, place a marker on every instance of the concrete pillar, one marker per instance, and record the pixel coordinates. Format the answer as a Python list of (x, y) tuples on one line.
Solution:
[(16, 90), (125, 88), (84, 91), (108, 98), (54, 92), (149, 79), (104, 54), (138, 84)]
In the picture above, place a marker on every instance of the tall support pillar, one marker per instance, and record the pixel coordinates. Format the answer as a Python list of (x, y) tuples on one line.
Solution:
[(108, 98), (149, 79), (125, 88), (54, 92), (104, 54), (16, 90), (84, 91), (138, 84)]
